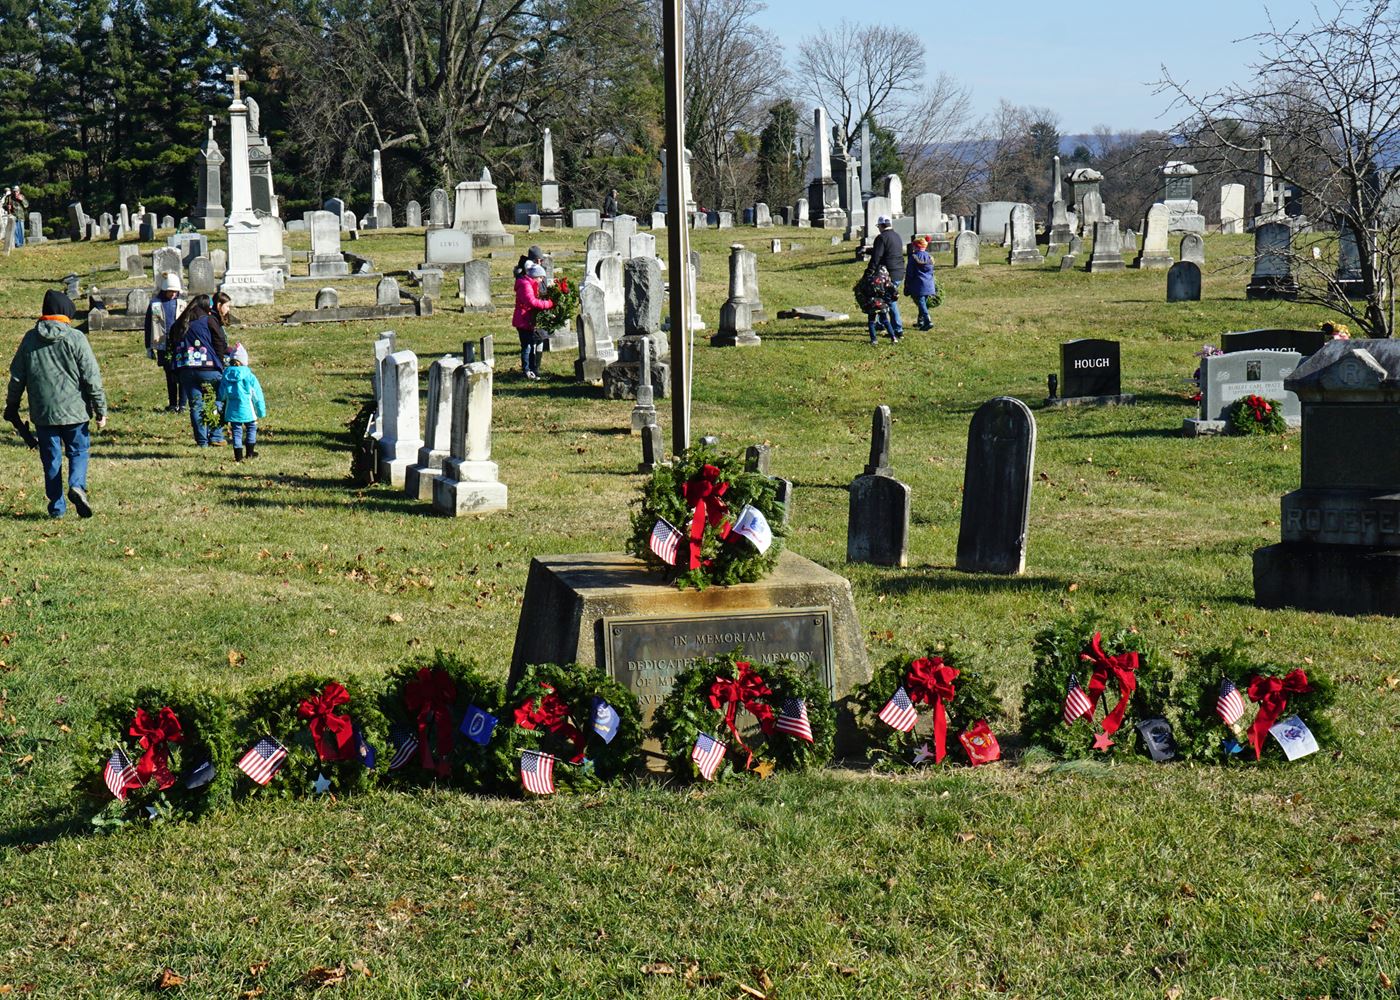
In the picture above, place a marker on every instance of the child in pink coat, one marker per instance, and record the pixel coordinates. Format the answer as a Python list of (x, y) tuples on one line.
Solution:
[(529, 286)]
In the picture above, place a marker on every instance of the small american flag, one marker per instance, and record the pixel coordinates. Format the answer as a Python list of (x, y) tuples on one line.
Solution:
[(665, 539), (1229, 705), (537, 772), (1077, 704), (405, 745), (899, 712), (708, 754), (119, 774), (263, 760), (792, 719)]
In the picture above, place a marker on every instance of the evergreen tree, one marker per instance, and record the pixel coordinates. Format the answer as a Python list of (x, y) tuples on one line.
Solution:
[(781, 170)]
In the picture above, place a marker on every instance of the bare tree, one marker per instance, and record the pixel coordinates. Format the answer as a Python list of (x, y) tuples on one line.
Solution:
[(938, 144), (860, 72), (1328, 96)]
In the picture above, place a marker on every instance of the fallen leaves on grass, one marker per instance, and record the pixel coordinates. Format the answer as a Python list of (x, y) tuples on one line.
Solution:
[(322, 975), (168, 979), (393, 618), (658, 969), (236, 659)]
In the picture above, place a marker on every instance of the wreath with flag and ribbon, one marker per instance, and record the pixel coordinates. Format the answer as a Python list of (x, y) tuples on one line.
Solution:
[(703, 735), (1096, 693), (442, 714), (566, 727), (159, 755), (929, 709), (1256, 415), (1237, 710), (309, 735), (706, 520)]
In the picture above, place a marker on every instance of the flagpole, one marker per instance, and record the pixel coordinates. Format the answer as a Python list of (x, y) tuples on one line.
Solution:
[(677, 225)]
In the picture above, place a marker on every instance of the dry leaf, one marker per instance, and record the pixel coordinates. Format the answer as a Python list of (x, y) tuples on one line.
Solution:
[(323, 976), (257, 969), (1174, 993), (764, 769), (965, 837), (756, 994), (235, 658), (169, 979), (844, 970), (1073, 587), (658, 969), (252, 994), (393, 618), (128, 552), (359, 966), (1385, 981)]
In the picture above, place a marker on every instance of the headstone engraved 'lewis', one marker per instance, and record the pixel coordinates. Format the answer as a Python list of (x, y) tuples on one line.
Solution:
[(997, 488)]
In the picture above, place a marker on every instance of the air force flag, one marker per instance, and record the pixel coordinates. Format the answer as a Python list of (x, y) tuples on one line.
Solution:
[(754, 526), (605, 719), (478, 725)]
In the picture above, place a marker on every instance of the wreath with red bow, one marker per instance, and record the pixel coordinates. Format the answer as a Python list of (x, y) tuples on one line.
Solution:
[(941, 685), (427, 703), (699, 496), (166, 736), (1268, 693), (1123, 680), (742, 704), (321, 722), (551, 708), (1256, 415)]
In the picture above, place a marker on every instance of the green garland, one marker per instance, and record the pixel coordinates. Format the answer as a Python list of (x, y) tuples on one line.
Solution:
[(272, 711), (576, 685), (565, 297), (1256, 415), (1199, 732), (974, 699), (686, 712), (725, 562), (206, 727), (472, 765), (209, 413), (1057, 651)]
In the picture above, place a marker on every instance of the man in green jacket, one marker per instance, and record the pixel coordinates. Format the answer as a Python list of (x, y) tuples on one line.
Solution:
[(55, 364)]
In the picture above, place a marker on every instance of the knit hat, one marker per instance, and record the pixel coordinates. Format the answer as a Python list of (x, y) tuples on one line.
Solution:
[(534, 270), (535, 253), (57, 304), (920, 242), (168, 281), (883, 220)]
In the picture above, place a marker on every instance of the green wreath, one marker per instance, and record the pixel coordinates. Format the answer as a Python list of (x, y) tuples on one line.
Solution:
[(974, 700), (565, 296), (408, 700), (1256, 415), (187, 729), (689, 710), (1202, 736), (1060, 651), (551, 709), (725, 488), (275, 711)]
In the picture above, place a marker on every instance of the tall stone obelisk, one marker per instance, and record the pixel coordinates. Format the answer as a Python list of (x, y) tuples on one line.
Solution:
[(210, 212), (245, 281)]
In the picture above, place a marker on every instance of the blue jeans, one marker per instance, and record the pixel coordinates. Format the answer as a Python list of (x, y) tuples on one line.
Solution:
[(244, 432), (531, 349), (54, 443), (891, 320), (922, 303), (194, 383), (19, 232)]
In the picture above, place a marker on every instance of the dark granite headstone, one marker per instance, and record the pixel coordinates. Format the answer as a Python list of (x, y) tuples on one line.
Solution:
[(878, 529), (1184, 282), (997, 488), (1305, 342), (1090, 367), (879, 464)]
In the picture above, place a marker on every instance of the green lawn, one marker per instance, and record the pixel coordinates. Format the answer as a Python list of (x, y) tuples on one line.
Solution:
[(1020, 879)]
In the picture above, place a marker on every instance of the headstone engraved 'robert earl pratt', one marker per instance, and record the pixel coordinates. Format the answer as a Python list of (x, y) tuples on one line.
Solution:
[(997, 488), (1226, 378)]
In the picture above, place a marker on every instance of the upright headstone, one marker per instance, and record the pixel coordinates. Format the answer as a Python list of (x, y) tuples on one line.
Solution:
[(596, 246), (1023, 249), (549, 187), (77, 221), (469, 483), (736, 315), (992, 219), (996, 495), (894, 191), (644, 295), (967, 249), (1273, 263), (478, 213), (146, 231), (595, 345), (476, 286), (611, 277), (762, 218), (1057, 217), (437, 436), (1084, 196), (219, 258), (379, 209), (209, 209), (823, 193), (1184, 282), (400, 436), (1108, 248), (386, 292), (644, 409), (202, 280), (413, 215), (326, 257), (1270, 206), (1193, 248), (1227, 378), (167, 259), (439, 209), (1091, 372), (1349, 278), (585, 218), (446, 248), (928, 214), (877, 526), (1155, 255), (623, 228), (327, 298), (641, 245), (263, 197), (36, 228), (246, 281), (1232, 208), (802, 217), (1183, 215)]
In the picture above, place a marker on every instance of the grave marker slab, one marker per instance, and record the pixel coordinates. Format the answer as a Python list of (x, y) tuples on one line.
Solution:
[(1184, 282), (1090, 373), (997, 488)]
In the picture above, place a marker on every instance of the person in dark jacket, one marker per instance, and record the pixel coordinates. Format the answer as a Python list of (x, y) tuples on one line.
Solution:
[(56, 366), (610, 204), (161, 315), (918, 279), (888, 252), (200, 349)]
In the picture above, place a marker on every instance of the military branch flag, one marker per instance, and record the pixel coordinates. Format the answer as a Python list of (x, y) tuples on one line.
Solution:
[(665, 540), (899, 712), (405, 744), (201, 775), (119, 774), (537, 772), (1077, 703), (263, 760), (708, 754), (751, 524), (792, 719), (1229, 705), (605, 719), (365, 749), (478, 725)]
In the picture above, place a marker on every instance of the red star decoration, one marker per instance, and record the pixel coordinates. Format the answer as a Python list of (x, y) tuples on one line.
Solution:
[(1102, 742)]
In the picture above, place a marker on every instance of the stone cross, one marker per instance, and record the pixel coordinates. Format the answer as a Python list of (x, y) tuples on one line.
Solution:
[(236, 77), (879, 464)]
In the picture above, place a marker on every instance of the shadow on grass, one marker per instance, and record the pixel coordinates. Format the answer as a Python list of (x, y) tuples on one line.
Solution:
[(40, 829), (928, 579), (555, 387), (1139, 432)]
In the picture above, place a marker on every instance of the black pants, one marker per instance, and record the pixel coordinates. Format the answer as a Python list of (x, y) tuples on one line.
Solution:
[(172, 387)]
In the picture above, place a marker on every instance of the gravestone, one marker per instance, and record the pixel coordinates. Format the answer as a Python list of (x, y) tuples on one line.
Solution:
[(348, 222), (595, 345), (35, 228), (400, 436), (996, 496), (444, 247), (1023, 249), (190, 245), (437, 436), (386, 293), (658, 220), (1226, 378), (327, 298), (77, 221), (597, 245), (1130, 240), (209, 208), (802, 216), (219, 258), (644, 292), (1232, 208), (146, 231), (1305, 342), (202, 280), (1349, 279), (1183, 216), (1108, 248), (653, 450), (439, 209), (736, 317), (610, 276), (469, 483), (532, 223), (125, 252), (476, 286), (928, 214), (1090, 372), (967, 249), (477, 213), (1076, 246), (134, 266), (1155, 255), (137, 300), (413, 215), (430, 282), (644, 409), (623, 228), (1273, 263), (992, 219), (1068, 262), (877, 526), (1340, 530), (326, 257), (167, 259), (1058, 230), (762, 218), (1193, 249), (585, 218), (641, 245), (1184, 282)]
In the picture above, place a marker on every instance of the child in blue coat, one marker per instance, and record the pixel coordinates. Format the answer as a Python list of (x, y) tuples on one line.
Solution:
[(241, 397)]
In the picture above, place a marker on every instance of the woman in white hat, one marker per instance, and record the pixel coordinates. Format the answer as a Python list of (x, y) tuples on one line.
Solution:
[(160, 318)]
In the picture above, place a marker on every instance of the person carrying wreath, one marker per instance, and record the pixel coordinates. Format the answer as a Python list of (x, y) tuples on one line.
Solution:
[(529, 286)]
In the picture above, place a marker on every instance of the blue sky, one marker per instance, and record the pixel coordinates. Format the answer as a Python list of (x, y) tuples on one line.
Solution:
[(1093, 64)]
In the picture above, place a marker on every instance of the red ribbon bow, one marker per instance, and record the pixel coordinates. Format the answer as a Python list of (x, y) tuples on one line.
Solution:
[(429, 696), (334, 735), (703, 495), (1272, 695), (748, 689), (552, 715), (930, 682), (154, 733), (1123, 666)]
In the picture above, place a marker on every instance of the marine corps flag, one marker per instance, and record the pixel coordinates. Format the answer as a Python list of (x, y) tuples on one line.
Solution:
[(980, 743)]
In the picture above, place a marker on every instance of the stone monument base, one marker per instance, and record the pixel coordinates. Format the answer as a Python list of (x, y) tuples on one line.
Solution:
[(1153, 261), (476, 492), (1272, 288), (1340, 579), (621, 378), (735, 338), (1059, 402), (567, 598)]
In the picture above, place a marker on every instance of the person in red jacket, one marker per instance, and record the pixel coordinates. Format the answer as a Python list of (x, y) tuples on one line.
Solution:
[(529, 286)]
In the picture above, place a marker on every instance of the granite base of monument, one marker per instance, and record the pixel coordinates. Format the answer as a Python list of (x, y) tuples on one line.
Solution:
[(800, 611), (1340, 579), (1059, 402)]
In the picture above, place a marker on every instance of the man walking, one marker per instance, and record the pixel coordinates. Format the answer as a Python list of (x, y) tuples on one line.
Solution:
[(888, 252), (56, 366)]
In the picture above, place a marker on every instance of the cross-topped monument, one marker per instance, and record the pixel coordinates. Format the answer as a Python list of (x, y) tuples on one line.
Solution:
[(236, 77)]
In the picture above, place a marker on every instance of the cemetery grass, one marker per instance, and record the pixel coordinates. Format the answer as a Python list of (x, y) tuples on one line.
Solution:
[(1027, 878)]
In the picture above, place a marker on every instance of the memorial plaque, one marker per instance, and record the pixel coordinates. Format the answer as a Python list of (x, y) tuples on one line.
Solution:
[(1090, 368), (646, 652), (1178, 189), (1228, 377)]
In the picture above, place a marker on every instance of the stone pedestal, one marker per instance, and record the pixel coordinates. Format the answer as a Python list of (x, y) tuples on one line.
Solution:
[(469, 483), (477, 213)]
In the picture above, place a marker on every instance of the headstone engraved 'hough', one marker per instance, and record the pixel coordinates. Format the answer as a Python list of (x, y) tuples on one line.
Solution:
[(997, 488), (1090, 370)]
